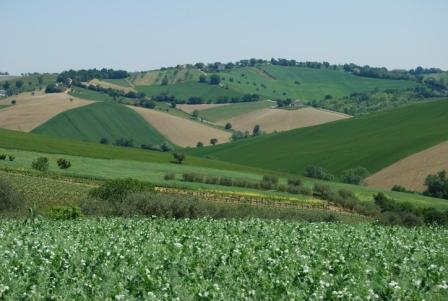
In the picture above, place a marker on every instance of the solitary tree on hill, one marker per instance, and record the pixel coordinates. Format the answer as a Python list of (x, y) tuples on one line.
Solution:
[(213, 141)]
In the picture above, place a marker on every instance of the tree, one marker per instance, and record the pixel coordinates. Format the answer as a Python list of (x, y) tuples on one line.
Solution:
[(19, 84), (179, 157), (202, 79), (6, 85), (195, 114), (215, 79), (437, 185), (165, 81), (213, 141), (13, 102), (257, 130), (40, 164), (173, 104), (104, 141), (228, 126), (40, 79), (199, 144), (354, 175)]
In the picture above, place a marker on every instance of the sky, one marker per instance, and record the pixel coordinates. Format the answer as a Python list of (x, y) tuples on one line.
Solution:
[(52, 36)]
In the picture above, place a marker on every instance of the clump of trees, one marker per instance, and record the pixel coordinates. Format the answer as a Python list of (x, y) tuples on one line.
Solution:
[(78, 76), (317, 172), (64, 164), (437, 185), (54, 88)]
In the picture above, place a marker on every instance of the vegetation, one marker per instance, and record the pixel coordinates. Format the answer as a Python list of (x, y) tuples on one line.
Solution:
[(102, 120), (373, 141), (437, 185), (195, 244), (40, 164), (10, 199), (64, 164)]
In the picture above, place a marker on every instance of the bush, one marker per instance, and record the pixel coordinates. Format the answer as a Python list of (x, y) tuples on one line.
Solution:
[(192, 177), (104, 141), (272, 179), (318, 173), (294, 181), (225, 181), (212, 180), (437, 185), (354, 175), (179, 157), (293, 189), (169, 176), (321, 190), (10, 200), (306, 191), (54, 88), (64, 164), (40, 164), (2, 157), (65, 212), (400, 188), (116, 190), (11, 158)]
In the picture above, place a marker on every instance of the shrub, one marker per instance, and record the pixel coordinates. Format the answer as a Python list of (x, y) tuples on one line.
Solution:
[(354, 175), (10, 200), (272, 179), (11, 158), (306, 191), (65, 212), (321, 190), (293, 189), (192, 177), (199, 144), (400, 188), (282, 188), (2, 157), (225, 181), (318, 173), (116, 190), (212, 180), (124, 142), (267, 185), (40, 164), (437, 185), (104, 141), (169, 176), (64, 164), (294, 181), (179, 157)]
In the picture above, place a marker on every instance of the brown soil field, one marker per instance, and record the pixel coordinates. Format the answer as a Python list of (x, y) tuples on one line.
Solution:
[(271, 120), (106, 85), (31, 111), (190, 108), (181, 131), (411, 171)]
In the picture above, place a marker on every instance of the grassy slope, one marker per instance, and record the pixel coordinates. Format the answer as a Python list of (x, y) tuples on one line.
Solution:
[(90, 95), (373, 141), (101, 119), (232, 110), (154, 171), (312, 83), (187, 89), (121, 82)]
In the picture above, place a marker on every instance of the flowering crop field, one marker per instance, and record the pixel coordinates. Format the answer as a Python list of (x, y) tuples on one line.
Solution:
[(157, 259)]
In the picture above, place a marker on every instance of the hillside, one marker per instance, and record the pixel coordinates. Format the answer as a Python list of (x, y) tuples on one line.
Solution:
[(32, 110), (269, 81), (102, 120), (373, 141)]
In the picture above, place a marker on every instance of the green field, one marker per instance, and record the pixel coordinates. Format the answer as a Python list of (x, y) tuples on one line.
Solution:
[(3, 106), (152, 168), (185, 90), (121, 82), (90, 94), (233, 110), (101, 120), (373, 141), (163, 259)]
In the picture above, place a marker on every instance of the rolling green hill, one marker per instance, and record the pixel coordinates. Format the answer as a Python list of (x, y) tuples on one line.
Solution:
[(232, 110), (373, 141), (101, 120)]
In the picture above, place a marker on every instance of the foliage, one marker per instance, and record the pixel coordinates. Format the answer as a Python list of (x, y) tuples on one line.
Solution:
[(169, 176), (64, 164), (317, 172), (179, 157), (116, 190), (212, 259), (87, 75), (54, 88), (64, 212), (40, 164), (10, 199), (354, 175), (437, 185)]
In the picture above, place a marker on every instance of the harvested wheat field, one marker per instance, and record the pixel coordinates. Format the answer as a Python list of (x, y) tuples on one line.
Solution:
[(31, 111), (181, 131), (271, 120), (106, 85), (411, 171), (190, 108)]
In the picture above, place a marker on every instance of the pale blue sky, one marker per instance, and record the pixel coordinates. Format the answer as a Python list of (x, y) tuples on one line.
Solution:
[(50, 36)]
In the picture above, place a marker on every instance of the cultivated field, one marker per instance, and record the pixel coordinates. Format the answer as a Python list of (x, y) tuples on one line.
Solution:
[(168, 259), (190, 108), (32, 111), (271, 120), (411, 171), (102, 120), (223, 113), (181, 131), (108, 84)]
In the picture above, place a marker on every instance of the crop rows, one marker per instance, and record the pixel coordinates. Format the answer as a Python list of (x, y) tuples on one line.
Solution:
[(157, 259)]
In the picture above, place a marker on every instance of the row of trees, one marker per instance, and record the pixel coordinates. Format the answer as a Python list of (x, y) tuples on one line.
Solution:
[(13, 87), (84, 75), (199, 100)]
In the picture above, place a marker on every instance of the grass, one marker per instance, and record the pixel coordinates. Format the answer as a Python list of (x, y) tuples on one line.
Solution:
[(120, 81), (4, 106), (91, 95), (167, 259), (232, 110), (101, 120), (185, 90), (153, 171), (373, 141)]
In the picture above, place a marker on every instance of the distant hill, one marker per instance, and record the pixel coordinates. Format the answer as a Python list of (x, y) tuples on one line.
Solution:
[(373, 141)]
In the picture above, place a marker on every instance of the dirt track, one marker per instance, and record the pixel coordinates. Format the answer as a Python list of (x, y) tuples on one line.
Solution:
[(32, 111), (181, 131), (283, 120), (411, 171)]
